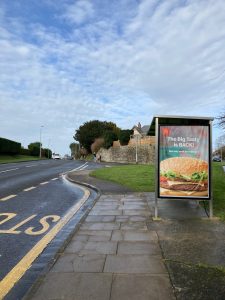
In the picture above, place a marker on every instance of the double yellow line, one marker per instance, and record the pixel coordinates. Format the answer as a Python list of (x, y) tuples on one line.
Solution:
[(7, 283)]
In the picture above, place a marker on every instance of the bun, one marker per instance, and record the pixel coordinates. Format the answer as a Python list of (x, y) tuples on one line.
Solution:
[(171, 193), (183, 165)]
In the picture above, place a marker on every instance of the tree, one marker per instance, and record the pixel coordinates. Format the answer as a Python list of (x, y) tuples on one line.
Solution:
[(109, 137), (90, 131), (124, 136), (221, 119), (220, 146), (34, 148), (47, 152), (75, 150), (98, 143)]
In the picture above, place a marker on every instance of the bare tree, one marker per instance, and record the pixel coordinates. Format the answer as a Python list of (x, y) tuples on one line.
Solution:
[(221, 119), (220, 146)]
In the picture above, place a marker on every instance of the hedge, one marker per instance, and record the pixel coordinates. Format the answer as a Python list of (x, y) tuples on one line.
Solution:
[(9, 147), (24, 151)]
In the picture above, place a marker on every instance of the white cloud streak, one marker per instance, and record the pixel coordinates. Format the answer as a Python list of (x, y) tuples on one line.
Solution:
[(163, 58)]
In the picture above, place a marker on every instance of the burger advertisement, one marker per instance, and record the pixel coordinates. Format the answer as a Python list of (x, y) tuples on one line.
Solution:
[(184, 161)]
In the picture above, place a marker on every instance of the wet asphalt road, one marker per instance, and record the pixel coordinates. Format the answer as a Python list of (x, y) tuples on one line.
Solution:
[(34, 196)]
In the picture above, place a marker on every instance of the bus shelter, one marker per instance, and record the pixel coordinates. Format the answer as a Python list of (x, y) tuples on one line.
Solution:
[(183, 159)]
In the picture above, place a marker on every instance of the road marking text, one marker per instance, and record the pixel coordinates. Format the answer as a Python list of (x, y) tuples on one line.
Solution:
[(30, 230)]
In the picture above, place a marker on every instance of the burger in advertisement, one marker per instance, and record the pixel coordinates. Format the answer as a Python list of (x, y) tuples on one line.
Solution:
[(184, 176)]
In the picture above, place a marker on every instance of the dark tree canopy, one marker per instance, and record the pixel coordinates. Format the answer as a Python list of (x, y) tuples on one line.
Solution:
[(34, 148), (109, 137), (89, 131), (124, 136)]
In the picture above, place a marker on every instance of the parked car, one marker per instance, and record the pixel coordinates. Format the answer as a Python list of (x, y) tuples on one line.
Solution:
[(217, 158)]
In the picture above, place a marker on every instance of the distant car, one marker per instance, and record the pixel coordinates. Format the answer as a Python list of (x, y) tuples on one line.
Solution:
[(56, 156), (68, 157), (217, 158)]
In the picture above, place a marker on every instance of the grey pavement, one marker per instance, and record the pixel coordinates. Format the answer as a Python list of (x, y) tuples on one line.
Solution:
[(120, 253), (113, 255)]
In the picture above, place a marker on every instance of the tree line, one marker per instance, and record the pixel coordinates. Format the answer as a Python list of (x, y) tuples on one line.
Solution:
[(95, 134), (10, 147)]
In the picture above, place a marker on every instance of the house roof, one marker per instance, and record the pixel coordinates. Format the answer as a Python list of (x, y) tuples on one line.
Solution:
[(142, 130), (145, 129)]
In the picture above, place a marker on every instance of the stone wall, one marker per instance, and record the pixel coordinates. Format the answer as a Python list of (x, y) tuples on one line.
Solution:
[(127, 154)]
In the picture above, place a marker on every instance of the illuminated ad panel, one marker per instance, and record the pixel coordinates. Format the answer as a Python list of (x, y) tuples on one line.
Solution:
[(183, 162)]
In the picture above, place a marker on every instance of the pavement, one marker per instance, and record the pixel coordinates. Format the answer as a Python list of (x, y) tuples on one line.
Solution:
[(120, 253)]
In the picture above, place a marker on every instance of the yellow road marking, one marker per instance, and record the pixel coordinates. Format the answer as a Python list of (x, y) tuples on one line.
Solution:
[(13, 229), (44, 223), (29, 189), (42, 183), (8, 216), (8, 197), (24, 264)]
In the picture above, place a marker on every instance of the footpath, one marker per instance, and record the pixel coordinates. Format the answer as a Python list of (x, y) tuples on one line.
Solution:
[(120, 253)]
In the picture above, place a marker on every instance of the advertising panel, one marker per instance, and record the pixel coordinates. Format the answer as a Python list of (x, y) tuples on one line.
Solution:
[(183, 161)]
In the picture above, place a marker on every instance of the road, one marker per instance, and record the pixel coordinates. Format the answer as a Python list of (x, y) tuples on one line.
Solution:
[(34, 200)]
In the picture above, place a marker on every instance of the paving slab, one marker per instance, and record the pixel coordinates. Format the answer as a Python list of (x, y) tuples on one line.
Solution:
[(134, 226), (148, 248), (99, 248), (100, 219), (121, 219), (134, 235), (75, 286), (107, 233), (143, 287), (134, 264), (136, 212), (101, 212), (79, 263), (75, 246), (98, 238), (100, 226)]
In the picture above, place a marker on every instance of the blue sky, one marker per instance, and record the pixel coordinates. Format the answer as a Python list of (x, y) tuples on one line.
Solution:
[(67, 62)]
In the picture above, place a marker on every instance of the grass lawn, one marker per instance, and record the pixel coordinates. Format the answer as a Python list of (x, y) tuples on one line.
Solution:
[(140, 178), (16, 158), (219, 190)]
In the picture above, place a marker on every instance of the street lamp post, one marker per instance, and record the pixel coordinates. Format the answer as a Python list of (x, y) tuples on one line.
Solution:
[(48, 147), (136, 137), (40, 138)]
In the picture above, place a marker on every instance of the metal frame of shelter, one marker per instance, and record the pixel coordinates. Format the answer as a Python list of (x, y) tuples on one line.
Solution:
[(180, 120)]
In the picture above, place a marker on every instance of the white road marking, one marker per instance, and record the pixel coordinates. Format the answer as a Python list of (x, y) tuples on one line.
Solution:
[(54, 178), (29, 166), (8, 197), (84, 167), (78, 168), (29, 189), (42, 183), (9, 170)]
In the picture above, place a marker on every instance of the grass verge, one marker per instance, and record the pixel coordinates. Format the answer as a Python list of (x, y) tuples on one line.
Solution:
[(16, 158), (219, 190), (141, 178)]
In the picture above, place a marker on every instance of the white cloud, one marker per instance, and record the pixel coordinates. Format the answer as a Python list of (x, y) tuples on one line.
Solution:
[(79, 12), (166, 58)]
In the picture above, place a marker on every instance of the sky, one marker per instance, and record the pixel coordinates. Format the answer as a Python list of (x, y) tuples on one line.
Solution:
[(63, 63)]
